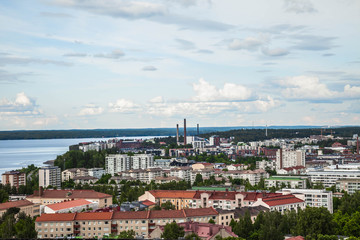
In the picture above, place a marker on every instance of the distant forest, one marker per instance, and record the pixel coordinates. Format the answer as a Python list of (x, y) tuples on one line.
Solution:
[(247, 135), (240, 133)]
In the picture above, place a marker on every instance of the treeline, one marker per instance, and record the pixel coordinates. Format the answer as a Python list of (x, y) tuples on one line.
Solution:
[(80, 159), (247, 135), (17, 225), (100, 133)]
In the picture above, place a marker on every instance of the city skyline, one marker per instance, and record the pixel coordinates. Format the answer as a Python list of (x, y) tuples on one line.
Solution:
[(71, 64)]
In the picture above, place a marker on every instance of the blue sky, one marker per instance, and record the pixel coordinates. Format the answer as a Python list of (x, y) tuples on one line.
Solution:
[(69, 64)]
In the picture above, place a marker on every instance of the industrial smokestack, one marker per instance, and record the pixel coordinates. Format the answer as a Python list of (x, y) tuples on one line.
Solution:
[(198, 132), (281, 158), (184, 131), (357, 145), (177, 134)]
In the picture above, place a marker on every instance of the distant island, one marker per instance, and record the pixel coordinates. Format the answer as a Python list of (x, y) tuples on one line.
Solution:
[(106, 133)]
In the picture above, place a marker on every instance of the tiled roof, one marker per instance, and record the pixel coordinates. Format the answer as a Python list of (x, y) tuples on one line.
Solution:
[(131, 215), (70, 194), (167, 214), (20, 203), (200, 212), (68, 204), (253, 196), (148, 203), (94, 216), (172, 193), (281, 200), (55, 217)]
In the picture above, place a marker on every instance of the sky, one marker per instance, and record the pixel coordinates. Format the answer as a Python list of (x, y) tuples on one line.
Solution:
[(87, 64)]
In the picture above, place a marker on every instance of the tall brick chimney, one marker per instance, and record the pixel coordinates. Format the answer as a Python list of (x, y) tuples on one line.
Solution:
[(184, 131)]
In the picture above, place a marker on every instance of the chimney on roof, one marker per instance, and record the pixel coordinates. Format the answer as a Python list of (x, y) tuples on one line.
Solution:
[(177, 134), (184, 131), (198, 132)]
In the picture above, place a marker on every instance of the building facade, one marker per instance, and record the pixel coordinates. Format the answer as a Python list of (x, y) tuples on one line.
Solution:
[(115, 163), (348, 185), (289, 158), (14, 178), (50, 176)]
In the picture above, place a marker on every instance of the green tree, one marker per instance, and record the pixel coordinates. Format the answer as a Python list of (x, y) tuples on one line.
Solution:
[(198, 180), (130, 234), (212, 221), (192, 236), (25, 228), (173, 231), (167, 206), (7, 228), (352, 227), (4, 196)]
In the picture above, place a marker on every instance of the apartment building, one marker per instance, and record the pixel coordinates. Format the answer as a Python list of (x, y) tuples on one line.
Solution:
[(181, 172), (144, 175), (70, 206), (14, 178), (50, 176), (254, 176), (286, 181), (329, 178), (99, 224), (350, 185), (29, 208), (115, 163), (289, 158), (183, 199), (96, 172), (48, 196), (281, 203), (70, 173), (312, 197)]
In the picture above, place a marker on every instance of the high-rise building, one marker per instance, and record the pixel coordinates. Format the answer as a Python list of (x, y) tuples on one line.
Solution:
[(50, 176), (14, 178), (115, 163), (289, 158)]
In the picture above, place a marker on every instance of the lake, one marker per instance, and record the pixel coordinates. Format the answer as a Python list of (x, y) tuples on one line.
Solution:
[(15, 154)]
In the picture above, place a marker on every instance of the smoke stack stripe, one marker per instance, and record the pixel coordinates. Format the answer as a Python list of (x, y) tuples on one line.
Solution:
[(184, 131)]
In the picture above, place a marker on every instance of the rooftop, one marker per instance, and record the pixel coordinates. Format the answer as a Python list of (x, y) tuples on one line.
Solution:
[(68, 204), (18, 204), (281, 200), (70, 194)]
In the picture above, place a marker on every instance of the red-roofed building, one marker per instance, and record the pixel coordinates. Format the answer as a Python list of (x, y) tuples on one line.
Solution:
[(46, 197), (24, 205), (281, 203), (70, 206), (98, 224), (183, 199)]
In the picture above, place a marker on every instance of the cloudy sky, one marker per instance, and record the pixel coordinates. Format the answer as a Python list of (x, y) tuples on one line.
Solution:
[(68, 64)]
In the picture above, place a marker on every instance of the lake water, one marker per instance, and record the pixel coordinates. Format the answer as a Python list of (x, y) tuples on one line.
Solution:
[(15, 154)]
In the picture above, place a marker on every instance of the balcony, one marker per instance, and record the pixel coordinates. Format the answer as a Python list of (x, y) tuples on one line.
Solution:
[(76, 231), (113, 230), (113, 225), (76, 225)]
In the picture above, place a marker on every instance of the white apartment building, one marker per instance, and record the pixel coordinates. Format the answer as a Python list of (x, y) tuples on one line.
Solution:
[(96, 172), (254, 177), (289, 158), (329, 178), (68, 174), (181, 172), (115, 163), (142, 161), (348, 185), (287, 181), (50, 176), (312, 197)]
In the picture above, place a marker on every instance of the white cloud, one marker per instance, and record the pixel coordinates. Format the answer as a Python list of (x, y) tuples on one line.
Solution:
[(207, 92), (45, 121), (351, 92), (305, 87), (158, 99), (116, 8), (22, 105), (91, 109), (149, 68), (299, 6), (250, 43), (115, 54), (123, 106), (275, 52)]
